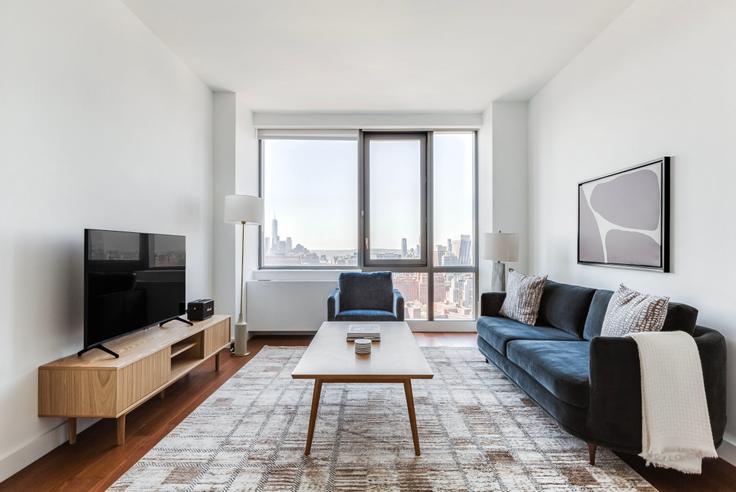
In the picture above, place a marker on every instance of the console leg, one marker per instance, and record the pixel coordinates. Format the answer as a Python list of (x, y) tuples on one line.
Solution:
[(121, 430), (71, 428), (217, 362), (591, 453)]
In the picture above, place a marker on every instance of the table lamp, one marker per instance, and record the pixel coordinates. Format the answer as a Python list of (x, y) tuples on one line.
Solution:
[(500, 247)]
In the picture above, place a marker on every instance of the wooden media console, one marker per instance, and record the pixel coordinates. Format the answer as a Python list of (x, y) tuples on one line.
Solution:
[(97, 385)]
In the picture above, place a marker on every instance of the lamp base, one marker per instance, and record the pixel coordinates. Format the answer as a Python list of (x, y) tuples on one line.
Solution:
[(241, 340), (498, 277)]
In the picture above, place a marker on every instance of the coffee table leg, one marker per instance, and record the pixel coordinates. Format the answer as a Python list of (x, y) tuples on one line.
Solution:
[(412, 415), (313, 416)]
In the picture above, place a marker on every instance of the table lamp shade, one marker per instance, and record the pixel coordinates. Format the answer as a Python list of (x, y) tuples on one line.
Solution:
[(241, 209), (501, 246)]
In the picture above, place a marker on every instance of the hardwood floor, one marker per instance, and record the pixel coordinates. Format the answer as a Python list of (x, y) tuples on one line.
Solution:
[(95, 462)]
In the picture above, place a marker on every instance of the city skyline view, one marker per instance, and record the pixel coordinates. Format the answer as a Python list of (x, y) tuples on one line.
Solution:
[(311, 187), (283, 251)]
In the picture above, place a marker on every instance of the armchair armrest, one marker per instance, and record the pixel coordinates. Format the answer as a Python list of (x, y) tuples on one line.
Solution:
[(490, 303), (615, 387), (398, 305), (333, 304)]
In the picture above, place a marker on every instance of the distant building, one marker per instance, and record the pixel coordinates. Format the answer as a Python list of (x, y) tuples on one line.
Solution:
[(275, 232), (288, 245), (404, 251), (465, 254)]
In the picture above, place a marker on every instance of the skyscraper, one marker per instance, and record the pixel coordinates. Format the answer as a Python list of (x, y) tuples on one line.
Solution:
[(404, 250), (274, 231), (464, 253), (449, 245), (288, 245)]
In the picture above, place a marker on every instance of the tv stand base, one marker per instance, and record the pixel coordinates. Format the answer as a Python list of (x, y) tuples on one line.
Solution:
[(98, 346), (176, 318)]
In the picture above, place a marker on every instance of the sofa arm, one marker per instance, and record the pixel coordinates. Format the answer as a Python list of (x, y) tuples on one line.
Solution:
[(615, 387), (490, 303), (398, 305), (333, 305), (614, 412)]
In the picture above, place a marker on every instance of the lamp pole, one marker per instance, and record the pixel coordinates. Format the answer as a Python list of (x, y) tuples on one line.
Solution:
[(241, 327)]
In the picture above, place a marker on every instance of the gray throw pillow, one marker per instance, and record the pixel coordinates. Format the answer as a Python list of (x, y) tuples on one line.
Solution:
[(523, 293), (630, 311)]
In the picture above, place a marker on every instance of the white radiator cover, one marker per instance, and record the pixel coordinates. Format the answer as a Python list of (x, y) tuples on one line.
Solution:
[(287, 305), (290, 306)]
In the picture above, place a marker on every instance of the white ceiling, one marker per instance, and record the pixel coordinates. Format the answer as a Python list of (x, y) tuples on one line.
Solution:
[(376, 55)]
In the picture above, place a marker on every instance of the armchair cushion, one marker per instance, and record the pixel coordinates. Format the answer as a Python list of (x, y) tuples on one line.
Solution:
[(366, 315), (362, 290)]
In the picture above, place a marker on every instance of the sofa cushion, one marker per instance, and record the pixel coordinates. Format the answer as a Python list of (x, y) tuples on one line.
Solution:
[(523, 294), (565, 307), (561, 367), (499, 331), (365, 315), (631, 311), (679, 316), (596, 313), (366, 290)]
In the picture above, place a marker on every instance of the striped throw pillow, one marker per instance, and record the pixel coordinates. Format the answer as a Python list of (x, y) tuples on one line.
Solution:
[(630, 311), (523, 293)]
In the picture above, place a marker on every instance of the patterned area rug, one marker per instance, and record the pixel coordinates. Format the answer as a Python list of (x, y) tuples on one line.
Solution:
[(477, 430)]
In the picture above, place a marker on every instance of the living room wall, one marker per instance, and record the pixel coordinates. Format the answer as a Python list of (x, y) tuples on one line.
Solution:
[(102, 127), (658, 81)]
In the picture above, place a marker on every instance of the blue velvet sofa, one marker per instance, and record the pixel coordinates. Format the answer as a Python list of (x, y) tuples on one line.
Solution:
[(365, 296), (591, 385)]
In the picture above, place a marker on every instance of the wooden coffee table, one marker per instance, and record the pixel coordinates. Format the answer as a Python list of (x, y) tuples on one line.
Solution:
[(332, 359)]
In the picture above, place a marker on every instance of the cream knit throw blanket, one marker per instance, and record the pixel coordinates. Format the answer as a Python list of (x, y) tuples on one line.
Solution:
[(675, 427)]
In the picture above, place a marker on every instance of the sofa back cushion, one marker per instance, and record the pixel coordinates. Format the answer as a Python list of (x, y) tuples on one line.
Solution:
[(565, 307), (366, 290), (679, 316)]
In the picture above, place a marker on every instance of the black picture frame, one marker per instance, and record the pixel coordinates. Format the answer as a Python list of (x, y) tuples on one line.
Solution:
[(664, 249)]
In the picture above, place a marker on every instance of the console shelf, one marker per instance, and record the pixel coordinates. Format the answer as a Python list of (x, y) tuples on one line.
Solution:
[(99, 385), (181, 347)]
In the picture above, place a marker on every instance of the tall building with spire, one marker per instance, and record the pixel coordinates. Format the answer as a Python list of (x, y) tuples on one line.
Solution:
[(274, 231)]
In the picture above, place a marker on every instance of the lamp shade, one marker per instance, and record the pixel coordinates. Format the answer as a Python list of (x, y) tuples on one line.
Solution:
[(501, 246), (240, 209)]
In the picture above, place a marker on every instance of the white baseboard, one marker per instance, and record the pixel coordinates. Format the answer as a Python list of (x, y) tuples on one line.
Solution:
[(727, 450), (16, 460)]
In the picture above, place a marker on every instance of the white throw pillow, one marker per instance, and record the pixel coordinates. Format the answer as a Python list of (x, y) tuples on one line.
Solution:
[(630, 311), (523, 294)]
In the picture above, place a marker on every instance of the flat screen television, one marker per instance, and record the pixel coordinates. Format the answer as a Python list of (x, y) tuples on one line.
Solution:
[(131, 280)]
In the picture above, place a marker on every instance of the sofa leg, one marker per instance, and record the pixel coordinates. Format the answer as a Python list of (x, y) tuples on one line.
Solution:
[(486, 361), (591, 453)]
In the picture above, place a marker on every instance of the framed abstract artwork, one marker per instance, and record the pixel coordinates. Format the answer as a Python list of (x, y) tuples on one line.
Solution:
[(623, 218)]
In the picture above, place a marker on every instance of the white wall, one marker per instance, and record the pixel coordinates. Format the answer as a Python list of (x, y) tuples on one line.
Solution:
[(100, 126), (660, 80), (235, 154), (510, 173)]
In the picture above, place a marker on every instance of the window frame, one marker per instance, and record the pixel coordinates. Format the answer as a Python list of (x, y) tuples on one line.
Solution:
[(399, 266), (364, 209)]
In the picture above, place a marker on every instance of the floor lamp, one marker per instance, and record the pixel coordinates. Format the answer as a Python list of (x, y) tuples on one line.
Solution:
[(243, 210), (501, 247)]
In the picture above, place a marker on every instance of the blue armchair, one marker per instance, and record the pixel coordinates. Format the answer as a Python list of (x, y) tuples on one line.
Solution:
[(363, 296)]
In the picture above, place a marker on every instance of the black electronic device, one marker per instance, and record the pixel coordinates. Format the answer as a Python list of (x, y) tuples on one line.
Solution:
[(200, 309), (132, 280)]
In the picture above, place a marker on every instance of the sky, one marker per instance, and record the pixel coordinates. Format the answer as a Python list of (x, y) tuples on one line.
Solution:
[(311, 187)]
